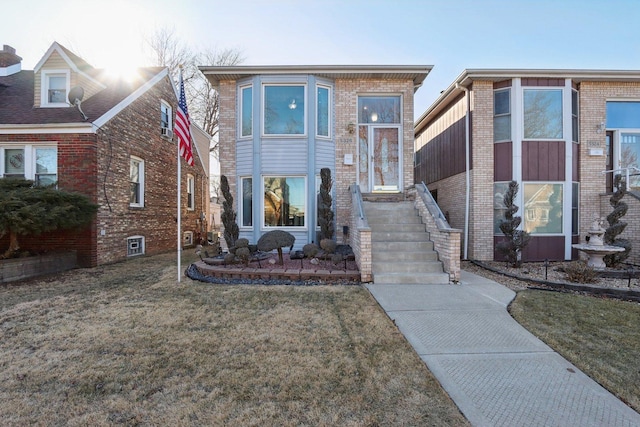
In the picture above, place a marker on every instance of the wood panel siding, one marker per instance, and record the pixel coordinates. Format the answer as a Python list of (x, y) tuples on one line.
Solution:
[(576, 163), (502, 84), (543, 160), (532, 81), (503, 161), (538, 249), (443, 156)]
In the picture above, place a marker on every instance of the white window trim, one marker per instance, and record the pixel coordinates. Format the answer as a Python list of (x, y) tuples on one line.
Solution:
[(140, 162), (29, 156), (305, 117), (241, 89), (510, 113), (164, 103), (191, 196), (241, 203), (265, 227), (44, 87), (330, 103), (142, 245)]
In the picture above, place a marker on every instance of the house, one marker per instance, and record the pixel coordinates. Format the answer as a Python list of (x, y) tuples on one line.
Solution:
[(68, 123), (558, 133), (280, 125)]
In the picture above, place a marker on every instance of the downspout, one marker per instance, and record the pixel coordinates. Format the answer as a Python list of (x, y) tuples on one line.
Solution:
[(467, 152)]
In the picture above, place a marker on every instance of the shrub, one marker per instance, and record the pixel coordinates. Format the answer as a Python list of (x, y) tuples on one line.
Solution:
[(515, 240), (580, 272), (616, 227), (231, 229)]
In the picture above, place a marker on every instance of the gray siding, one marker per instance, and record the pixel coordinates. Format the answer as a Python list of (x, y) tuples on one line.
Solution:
[(325, 156), (244, 157), (284, 157)]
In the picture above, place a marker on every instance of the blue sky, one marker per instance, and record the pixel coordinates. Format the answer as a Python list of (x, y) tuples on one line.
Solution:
[(451, 35)]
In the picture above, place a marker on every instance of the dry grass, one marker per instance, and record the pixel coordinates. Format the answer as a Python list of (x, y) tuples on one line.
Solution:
[(600, 336), (126, 345)]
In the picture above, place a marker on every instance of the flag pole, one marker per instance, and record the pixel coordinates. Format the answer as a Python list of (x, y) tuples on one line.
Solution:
[(179, 216)]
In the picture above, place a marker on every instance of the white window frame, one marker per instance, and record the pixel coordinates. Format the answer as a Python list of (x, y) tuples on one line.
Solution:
[(140, 162), (164, 104), (241, 203), (29, 151), (140, 240), (265, 227), (504, 89), (44, 87), (241, 90), (305, 113), (329, 103), (191, 196)]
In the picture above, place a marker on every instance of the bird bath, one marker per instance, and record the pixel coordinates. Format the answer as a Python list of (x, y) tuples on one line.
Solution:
[(595, 248)]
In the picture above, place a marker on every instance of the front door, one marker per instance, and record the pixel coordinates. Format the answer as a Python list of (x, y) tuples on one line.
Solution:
[(379, 159)]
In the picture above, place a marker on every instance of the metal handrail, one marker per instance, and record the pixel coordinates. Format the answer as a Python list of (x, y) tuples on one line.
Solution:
[(355, 189), (626, 170), (432, 206)]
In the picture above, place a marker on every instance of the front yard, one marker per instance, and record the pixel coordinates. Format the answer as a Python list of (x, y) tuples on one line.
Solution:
[(126, 345)]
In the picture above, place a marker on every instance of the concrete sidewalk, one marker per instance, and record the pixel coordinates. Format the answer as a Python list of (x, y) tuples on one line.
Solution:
[(497, 372)]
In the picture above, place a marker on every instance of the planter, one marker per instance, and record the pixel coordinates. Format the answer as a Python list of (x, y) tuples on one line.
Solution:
[(24, 268)]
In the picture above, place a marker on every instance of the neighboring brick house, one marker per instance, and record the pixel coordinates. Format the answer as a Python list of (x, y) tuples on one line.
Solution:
[(554, 132), (117, 148), (280, 125)]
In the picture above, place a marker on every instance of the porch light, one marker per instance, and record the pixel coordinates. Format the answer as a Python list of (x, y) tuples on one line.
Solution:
[(351, 128), (374, 117), (601, 127)]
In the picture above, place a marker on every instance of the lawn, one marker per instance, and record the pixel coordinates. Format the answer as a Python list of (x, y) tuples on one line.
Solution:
[(126, 344), (599, 336)]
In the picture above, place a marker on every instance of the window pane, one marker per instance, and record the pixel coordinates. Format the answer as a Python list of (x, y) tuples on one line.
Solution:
[(502, 128), (543, 113), (165, 118), (499, 189), (501, 103), (543, 208), (247, 112), (284, 201), (623, 115), (134, 179), (629, 152), (14, 162), (575, 188), (574, 116), (46, 166), (284, 110), (57, 89), (379, 109), (247, 202), (323, 111)]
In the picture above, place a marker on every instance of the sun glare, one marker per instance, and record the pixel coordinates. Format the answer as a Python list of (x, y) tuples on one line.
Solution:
[(124, 71)]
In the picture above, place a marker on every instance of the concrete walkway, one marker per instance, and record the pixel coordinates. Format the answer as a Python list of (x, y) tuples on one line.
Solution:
[(495, 370)]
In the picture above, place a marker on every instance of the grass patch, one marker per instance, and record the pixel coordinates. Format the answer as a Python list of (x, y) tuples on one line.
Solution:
[(599, 336), (126, 344)]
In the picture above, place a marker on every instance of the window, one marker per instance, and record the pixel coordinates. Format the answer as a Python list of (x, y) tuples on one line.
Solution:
[(543, 113), (54, 88), (246, 200), (135, 245), (284, 110), (499, 209), (191, 203), (38, 163), (543, 208), (629, 152), (379, 109), (284, 201), (46, 166), (623, 114), (246, 107), (502, 115), (575, 195), (166, 116), (136, 182), (322, 112)]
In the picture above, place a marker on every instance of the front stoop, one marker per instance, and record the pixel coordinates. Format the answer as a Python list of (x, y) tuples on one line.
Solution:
[(401, 251)]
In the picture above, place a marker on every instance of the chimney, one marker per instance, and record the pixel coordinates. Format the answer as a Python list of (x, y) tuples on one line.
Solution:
[(9, 61)]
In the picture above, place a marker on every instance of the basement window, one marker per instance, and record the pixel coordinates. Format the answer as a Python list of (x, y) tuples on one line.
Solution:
[(135, 245)]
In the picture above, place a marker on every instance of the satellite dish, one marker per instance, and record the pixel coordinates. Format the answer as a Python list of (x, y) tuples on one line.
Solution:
[(75, 98)]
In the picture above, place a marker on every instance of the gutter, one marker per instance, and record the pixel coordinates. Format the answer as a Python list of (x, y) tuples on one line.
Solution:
[(467, 152)]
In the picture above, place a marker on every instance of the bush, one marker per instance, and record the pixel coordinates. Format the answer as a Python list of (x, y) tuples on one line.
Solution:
[(580, 272)]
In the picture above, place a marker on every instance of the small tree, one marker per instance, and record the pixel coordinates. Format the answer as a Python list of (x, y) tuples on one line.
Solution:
[(325, 214), (27, 209), (616, 227), (515, 240), (231, 229)]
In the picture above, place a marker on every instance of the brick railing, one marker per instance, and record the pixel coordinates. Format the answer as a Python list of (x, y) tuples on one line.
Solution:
[(446, 240), (360, 234)]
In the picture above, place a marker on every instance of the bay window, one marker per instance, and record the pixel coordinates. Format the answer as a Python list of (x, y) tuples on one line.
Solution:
[(246, 109), (322, 111), (246, 202), (542, 113), (284, 110), (284, 201)]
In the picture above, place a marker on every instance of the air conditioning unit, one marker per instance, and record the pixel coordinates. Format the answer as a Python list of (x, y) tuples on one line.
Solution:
[(166, 133)]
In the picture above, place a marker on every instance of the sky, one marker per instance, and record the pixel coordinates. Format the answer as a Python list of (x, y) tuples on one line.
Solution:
[(450, 35)]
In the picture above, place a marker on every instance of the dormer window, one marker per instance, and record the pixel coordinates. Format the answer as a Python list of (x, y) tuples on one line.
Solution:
[(55, 87)]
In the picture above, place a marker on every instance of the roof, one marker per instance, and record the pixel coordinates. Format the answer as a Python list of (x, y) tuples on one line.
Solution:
[(466, 78), (417, 73)]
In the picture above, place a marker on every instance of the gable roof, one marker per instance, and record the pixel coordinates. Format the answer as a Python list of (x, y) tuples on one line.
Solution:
[(417, 73), (76, 64)]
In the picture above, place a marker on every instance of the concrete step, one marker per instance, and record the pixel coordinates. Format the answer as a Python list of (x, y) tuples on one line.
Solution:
[(379, 220), (414, 256), (395, 246), (390, 236), (410, 279), (409, 267), (398, 227)]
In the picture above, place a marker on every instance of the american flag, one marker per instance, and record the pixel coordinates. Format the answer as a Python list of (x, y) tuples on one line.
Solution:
[(183, 126)]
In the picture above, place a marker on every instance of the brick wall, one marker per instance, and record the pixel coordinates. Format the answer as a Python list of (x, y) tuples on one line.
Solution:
[(227, 140)]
